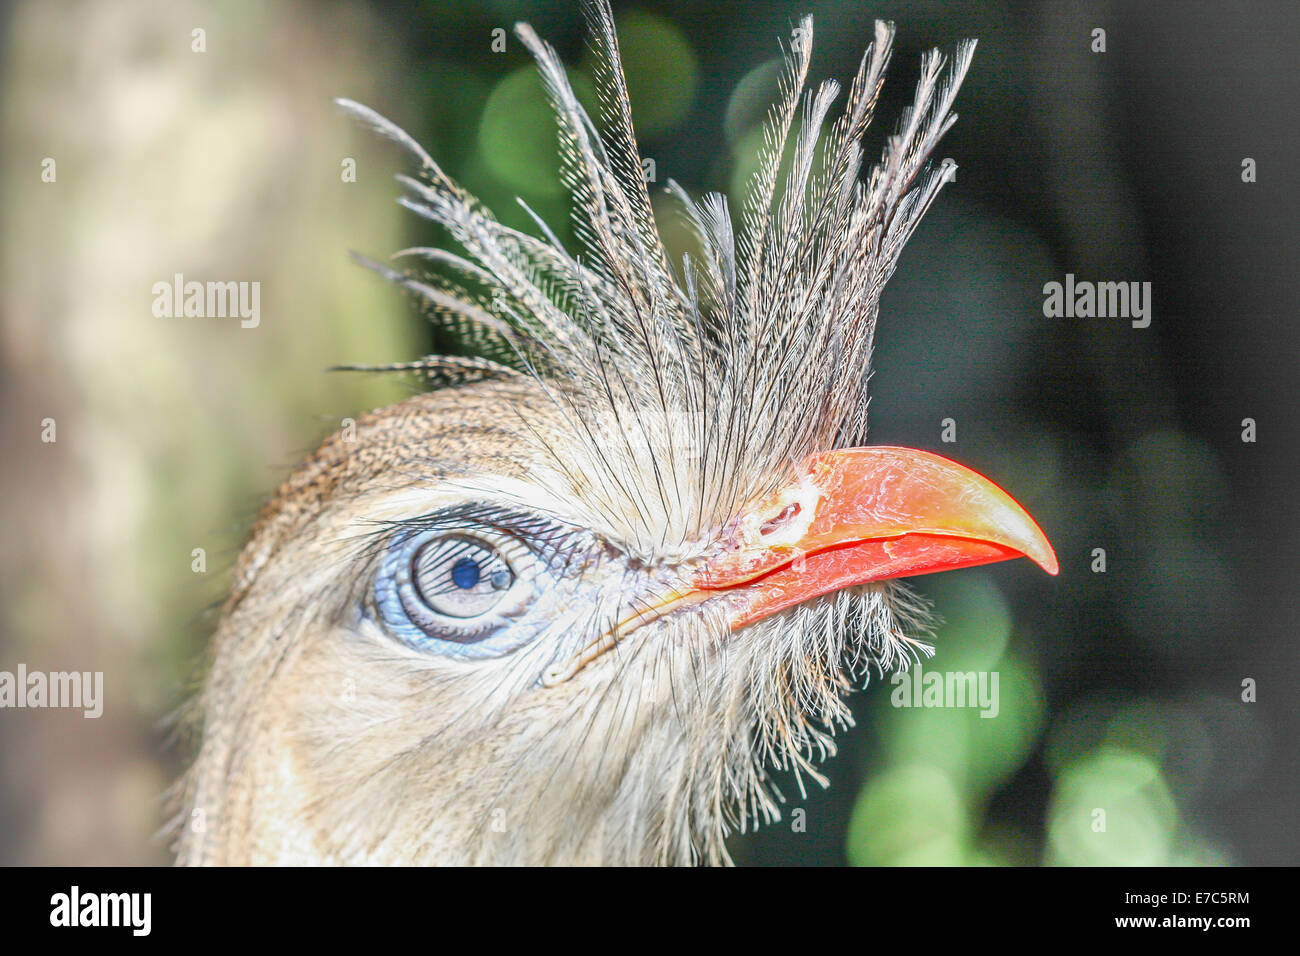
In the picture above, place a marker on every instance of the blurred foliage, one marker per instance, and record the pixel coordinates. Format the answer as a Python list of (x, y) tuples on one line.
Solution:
[(1119, 691)]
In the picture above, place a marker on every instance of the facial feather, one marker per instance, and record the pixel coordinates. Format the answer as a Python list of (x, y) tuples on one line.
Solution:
[(637, 403)]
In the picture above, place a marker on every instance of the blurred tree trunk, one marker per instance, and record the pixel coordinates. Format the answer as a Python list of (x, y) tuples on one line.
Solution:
[(220, 165)]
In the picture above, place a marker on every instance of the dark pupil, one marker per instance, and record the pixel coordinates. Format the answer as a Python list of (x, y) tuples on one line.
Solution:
[(464, 573)]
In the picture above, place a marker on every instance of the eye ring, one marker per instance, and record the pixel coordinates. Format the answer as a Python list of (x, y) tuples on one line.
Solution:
[(456, 592)]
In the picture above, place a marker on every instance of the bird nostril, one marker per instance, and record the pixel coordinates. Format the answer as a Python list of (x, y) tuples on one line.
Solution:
[(772, 524)]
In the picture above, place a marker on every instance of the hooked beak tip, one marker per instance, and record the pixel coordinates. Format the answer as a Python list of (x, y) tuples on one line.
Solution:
[(868, 514)]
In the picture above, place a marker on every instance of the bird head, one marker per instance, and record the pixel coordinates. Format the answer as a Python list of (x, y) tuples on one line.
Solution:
[(577, 602)]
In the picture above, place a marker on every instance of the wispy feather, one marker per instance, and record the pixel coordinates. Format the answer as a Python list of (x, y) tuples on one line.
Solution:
[(707, 357)]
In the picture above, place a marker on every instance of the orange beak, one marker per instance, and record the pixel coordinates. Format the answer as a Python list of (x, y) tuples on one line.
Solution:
[(864, 514), (854, 515)]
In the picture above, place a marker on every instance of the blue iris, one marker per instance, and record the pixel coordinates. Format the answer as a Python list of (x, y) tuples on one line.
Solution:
[(465, 573), (437, 591)]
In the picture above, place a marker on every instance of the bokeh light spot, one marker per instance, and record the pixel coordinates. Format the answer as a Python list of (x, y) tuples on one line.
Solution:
[(910, 815), (1111, 808), (517, 137), (662, 72)]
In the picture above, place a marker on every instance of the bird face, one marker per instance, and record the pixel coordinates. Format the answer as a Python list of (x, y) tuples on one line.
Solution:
[(476, 669), (576, 606)]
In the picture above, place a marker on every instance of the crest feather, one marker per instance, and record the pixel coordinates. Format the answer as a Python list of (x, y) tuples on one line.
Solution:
[(696, 386)]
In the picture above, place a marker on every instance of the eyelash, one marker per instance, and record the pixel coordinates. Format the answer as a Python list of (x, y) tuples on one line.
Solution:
[(546, 537)]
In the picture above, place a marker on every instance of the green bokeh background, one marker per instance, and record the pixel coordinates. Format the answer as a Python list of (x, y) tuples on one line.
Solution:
[(1122, 736)]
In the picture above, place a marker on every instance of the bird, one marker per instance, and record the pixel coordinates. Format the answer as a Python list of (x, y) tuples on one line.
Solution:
[(585, 596)]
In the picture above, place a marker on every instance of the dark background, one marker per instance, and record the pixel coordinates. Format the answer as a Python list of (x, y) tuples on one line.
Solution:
[(1120, 690)]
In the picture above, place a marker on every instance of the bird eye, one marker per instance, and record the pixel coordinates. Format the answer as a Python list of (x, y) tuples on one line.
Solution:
[(460, 577), (457, 593)]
